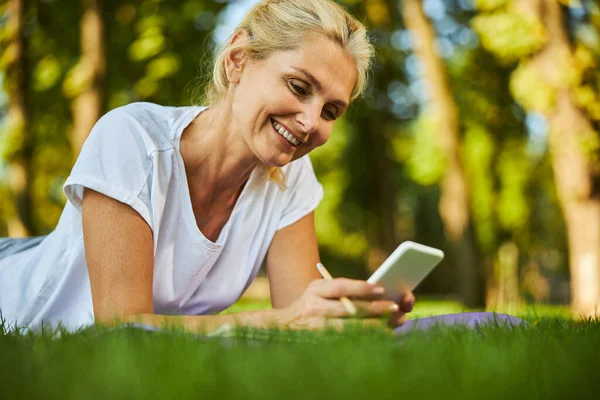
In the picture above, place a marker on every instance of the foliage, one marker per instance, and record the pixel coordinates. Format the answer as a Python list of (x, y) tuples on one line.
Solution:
[(331, 234), (154, 51), (509, 35), (425, 162), (489, 5), (520, 36), (532, 93)]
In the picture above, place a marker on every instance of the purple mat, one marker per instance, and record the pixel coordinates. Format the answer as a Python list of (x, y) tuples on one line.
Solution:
[(471, 320)]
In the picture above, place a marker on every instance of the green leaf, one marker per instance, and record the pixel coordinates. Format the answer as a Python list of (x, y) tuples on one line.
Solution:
[(46, 74), (163, 66), (148, 45), (490, 5), (530, 90), (508, 35), (426, 164)]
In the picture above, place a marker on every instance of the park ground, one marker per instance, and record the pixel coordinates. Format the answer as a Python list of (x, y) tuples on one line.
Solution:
[(554, 357)]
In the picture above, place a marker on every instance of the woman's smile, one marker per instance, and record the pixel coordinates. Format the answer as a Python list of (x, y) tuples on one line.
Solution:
[(287, 139)]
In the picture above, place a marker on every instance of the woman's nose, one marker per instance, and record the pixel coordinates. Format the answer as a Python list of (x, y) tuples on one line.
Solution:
[(308, 120)]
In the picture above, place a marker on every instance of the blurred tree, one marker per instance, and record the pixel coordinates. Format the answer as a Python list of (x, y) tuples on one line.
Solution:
[(505, 170), (152, 51), (500, 169), (370, 203), (558, 78), (442, 112), (159, 51), (54, 51), (51, 51), (19, 144), (85, 81)]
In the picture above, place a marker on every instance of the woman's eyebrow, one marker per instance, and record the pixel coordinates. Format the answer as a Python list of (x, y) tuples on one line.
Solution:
[(309, 76), (317, 84)]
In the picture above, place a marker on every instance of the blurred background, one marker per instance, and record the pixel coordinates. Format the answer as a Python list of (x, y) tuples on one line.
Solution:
[(479, 133)]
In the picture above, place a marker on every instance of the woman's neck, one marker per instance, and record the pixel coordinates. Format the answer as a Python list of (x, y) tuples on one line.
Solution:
[(216, 157)]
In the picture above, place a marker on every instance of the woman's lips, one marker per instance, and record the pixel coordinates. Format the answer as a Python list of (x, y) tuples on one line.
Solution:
[(286, 144)]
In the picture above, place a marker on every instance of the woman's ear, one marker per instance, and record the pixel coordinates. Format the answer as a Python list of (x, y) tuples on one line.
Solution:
[(236, 58)]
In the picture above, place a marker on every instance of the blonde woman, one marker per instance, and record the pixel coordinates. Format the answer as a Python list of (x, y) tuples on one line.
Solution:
[(172, 210)]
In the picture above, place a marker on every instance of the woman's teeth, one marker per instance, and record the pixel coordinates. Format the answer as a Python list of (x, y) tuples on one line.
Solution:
[(281, 130)]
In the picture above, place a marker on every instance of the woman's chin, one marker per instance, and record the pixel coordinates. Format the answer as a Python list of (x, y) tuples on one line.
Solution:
[(278, 162), (272, 155)]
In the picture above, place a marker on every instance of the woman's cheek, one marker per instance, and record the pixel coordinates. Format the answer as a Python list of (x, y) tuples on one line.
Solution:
[(322, 138)]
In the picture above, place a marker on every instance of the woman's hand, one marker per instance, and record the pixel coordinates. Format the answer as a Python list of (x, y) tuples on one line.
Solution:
[(320, 307), (407, 302)]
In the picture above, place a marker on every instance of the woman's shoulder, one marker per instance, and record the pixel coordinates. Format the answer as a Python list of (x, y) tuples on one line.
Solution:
[(145, 111), (155, 125), (122, 153)]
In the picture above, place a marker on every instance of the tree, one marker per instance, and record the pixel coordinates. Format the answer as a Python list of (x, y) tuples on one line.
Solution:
[(455, 203), (19, 153), (549, 79), (370, 192), (506, 175), (152, 52), (85, 82)]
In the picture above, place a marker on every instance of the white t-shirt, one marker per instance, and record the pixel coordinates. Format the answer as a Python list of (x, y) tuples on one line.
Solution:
[(132, 155)]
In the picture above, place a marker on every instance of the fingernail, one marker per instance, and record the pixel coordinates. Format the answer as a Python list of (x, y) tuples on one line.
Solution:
[(378, 290), (410, 305), (394, 308)]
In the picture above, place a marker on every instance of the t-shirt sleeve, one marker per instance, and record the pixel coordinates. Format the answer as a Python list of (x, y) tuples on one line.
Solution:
[(113, 161), (304, 192)]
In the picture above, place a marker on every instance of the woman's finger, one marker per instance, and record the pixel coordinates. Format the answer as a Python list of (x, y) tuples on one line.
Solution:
[(407, 302), (397, 319), (375, 308), (343, 287), (333, 308)]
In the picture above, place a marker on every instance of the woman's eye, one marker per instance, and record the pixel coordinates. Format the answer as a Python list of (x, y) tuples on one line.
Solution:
[(299, 90), (329, 115)]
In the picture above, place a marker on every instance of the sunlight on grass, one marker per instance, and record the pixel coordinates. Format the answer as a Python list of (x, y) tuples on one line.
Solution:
[(429, 306)]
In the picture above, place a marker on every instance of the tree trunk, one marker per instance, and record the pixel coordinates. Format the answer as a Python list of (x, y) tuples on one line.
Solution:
[(454, 206), (87, 106), (576, 176), (503, 294), (381, 220), (20, 221)]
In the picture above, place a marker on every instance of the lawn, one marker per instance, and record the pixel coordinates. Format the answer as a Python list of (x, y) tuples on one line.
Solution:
[(428, 306), (553, 358)]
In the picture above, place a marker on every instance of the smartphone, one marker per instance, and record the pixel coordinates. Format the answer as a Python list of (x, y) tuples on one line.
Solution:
[(405, 268)]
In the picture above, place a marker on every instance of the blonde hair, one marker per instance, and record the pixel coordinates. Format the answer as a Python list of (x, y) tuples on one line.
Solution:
[(280, 25)]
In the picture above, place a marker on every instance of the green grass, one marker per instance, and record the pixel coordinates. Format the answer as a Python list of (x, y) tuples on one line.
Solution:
[(553, 358), (432, 306)]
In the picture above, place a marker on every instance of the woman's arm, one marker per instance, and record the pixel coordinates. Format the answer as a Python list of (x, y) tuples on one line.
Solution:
[(291, 266), (119, 252), (120, 260), (291, 261)]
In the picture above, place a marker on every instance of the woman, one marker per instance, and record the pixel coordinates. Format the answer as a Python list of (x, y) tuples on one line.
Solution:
[(172, 211)]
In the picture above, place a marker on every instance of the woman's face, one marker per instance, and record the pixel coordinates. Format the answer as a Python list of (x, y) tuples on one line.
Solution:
[(285, 105)]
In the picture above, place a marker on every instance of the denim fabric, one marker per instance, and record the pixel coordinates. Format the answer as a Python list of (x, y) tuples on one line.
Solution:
[(10, 246)]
